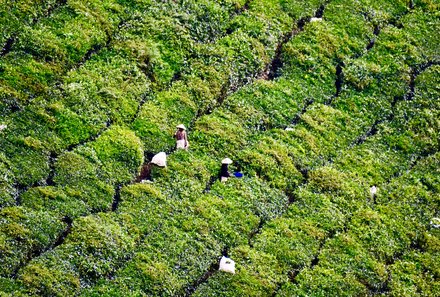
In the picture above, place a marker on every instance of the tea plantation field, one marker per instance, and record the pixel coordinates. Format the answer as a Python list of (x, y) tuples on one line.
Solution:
[(315, 102)]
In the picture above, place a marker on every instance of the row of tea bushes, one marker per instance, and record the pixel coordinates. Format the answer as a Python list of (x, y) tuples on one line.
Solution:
[(46, 50), (395, 228), (416, 197), (54, 197), (215, 70), (110, 68), (375, 281), (224, 217), (350, 262), (76, 114), (25, 232), (416, 118), (319, 127), (14, 16), (401, 232), (84, 180), (108, 89), (263, 212), (369, 276), (377, 278), (156, 227), (152, 219)]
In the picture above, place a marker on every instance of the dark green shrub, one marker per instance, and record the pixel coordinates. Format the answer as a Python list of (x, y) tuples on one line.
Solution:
[(254, 195), (206, 20), (372, 161), (347, 256), (82, 182), (23, 233), (409, 276), (417, 117), (9, 287), (256, 274), (64, 38), (297, 9), (100, 245), (264, 104), (70, 127), (322, 282), (219, 134), (320, 211), (145, 275), (24, 12), (120, 153), (28, 163), (50, 275), (293, 242), (225, 219), (271, 161), (62, 202), (106, 87), (22, 79), (383, 233)]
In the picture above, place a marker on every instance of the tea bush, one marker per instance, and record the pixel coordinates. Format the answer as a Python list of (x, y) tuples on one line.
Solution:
[(339, 253), (50, 275), (323, 282), (24, 233), (15, 15), (257, 275)]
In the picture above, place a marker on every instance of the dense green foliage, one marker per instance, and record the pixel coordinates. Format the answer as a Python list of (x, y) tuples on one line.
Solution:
[(313, 111)]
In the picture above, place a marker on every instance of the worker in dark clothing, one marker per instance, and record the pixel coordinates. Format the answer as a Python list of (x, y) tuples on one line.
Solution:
[(145, 174), (224, 173)]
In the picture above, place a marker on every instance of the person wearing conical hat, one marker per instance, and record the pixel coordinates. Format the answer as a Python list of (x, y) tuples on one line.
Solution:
[(224, 172), (159, 160), (181, 138)]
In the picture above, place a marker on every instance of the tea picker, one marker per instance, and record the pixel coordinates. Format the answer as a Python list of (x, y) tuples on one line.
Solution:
[(181, 137), (224, 172), (373, 191), (159, 160)]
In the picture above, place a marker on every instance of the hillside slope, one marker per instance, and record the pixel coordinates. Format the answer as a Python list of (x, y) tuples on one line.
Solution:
[(314, 101)]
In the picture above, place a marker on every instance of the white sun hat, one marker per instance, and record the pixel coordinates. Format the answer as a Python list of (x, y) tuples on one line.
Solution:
[(160, 159), (226, 161), (181, 126)]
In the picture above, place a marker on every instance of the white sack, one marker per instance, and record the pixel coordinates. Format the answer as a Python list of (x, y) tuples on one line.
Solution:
[(227, 265)]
